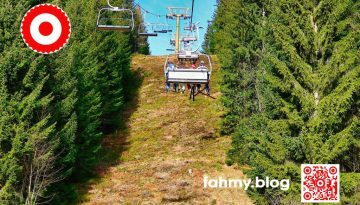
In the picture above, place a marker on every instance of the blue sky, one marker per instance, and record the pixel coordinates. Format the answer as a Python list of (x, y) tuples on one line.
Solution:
[(203, 11)]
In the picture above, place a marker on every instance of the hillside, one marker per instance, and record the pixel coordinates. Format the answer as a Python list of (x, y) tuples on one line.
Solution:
[(165, 148)]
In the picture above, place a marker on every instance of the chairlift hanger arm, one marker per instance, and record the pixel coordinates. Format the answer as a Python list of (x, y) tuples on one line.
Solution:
[(196, 36), (111, 6)]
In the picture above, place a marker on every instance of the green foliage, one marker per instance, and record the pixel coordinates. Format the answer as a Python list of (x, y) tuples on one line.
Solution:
[(291, 87), (350, 186), (60, 104)]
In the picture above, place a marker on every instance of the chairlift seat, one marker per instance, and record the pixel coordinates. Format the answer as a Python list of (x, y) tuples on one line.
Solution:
[(148, 29), (161, 31), (109, 27), (148, 34)]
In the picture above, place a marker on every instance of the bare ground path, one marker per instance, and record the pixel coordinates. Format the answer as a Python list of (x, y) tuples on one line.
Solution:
[(168, 144)]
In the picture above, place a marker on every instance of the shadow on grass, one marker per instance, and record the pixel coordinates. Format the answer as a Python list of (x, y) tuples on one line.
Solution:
[(114, 144)]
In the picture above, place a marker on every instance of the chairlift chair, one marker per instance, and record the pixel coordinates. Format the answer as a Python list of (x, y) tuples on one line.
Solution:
[(200, 75), (168, 27), (161, 28), (115, 18), (147, 29), (190, 45), (192, 34)]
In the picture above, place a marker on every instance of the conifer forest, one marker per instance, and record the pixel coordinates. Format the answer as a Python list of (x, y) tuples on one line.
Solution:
[(288, 94)]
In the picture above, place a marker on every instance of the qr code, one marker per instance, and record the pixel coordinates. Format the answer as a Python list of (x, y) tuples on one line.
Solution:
[(320, 183)]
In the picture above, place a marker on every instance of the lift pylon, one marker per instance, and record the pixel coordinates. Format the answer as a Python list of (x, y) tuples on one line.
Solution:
[(178, 13)]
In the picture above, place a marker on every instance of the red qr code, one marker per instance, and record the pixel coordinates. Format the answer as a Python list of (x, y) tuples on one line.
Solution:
[(320, 183)]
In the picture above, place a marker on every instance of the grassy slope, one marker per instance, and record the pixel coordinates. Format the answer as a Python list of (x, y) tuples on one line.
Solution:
[(166, 135)]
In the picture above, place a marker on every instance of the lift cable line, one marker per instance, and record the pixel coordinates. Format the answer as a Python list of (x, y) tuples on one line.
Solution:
[(149, 12), (152, 29), (192, 13)]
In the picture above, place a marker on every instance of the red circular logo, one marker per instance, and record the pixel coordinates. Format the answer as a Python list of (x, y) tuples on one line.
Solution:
[(45, 28)]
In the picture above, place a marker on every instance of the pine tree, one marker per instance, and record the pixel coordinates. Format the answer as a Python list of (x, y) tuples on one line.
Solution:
[(55, 108), (234, 36), (299, 100), (25, 104)]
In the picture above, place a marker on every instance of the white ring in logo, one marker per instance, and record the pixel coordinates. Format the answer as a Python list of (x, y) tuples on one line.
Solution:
[(38, 37)]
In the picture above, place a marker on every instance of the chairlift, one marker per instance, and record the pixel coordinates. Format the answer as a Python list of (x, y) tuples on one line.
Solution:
[(194, 77), (168, 26), (193, 33), (147, 29), (152, 29), (115, 18), (161, 28), (191, 45)]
